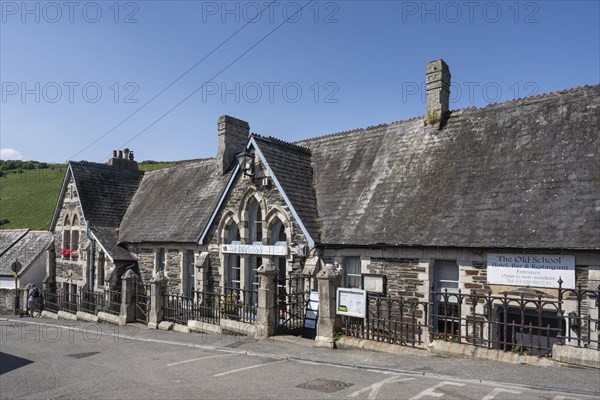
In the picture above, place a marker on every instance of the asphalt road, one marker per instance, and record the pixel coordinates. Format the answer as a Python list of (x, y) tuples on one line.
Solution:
[(59, 359)]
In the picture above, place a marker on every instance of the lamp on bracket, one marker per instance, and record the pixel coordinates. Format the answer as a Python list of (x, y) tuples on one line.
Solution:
[(246, 162)]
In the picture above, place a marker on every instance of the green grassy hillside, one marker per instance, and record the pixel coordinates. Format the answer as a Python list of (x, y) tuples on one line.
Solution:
[(28, 197)]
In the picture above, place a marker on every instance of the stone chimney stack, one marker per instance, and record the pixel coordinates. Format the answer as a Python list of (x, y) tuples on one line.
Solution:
[(123, 159), (437, 78), (233, 136)]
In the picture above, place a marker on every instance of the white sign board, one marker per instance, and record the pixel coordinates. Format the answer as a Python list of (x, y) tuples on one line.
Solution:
[(351, 302), (536, 270), (258, 249)]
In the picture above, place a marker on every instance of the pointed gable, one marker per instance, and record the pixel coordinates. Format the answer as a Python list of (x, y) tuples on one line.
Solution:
[(291, 168), (104, 194)]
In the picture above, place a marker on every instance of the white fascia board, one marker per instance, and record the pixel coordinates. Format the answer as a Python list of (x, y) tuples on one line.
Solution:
[(101, 246), (218, 206), (61, 197)]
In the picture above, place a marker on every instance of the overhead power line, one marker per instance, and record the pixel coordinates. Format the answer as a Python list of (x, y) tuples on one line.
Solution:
[(108, 132), (215, 76)]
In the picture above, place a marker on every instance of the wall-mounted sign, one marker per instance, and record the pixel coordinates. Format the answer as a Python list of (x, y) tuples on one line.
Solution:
[(536, 270), (258, 249), (351, 302), (374, 283)]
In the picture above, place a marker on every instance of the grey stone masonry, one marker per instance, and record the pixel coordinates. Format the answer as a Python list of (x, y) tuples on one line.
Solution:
[(329, 322), (402, 277), (233, 136), (437, 77), (158, 285), (266, 316), (128, 281)]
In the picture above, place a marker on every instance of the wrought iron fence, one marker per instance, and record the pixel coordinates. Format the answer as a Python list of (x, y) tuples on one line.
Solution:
[(583, 330), (395, 321), (177, 308), (69, 301), (529, 325), (525, 323), (112, 302), (239, 304), (211, 307), (90, 301), (293, 294), (142, 302), (52, 300), (207, 307)]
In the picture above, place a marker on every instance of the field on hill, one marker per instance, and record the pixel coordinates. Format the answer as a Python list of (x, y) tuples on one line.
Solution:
[(28, 197)]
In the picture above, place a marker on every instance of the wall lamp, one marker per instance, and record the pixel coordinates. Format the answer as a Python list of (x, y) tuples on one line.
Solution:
[(246, 162)]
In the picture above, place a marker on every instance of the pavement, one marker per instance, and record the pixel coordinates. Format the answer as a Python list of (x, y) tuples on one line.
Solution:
[(76, 359)]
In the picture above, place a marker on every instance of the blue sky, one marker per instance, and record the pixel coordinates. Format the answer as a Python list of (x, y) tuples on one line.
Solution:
[(70, 72)]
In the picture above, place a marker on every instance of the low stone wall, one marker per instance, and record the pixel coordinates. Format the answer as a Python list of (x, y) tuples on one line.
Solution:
[(7, 300), (576, 356), (450, 349), (225, 325)]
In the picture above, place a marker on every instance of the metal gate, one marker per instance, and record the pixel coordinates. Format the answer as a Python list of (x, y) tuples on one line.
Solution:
[(142, 302), (293, 294)]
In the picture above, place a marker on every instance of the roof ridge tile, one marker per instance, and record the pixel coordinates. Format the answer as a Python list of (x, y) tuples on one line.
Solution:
[(275, 140), (472, 108)]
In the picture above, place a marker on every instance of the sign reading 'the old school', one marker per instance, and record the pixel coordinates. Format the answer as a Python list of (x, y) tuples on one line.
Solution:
[(536, 270)]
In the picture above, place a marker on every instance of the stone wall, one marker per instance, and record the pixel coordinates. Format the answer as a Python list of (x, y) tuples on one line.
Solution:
[(146, 254), (70, 268), (241, 187), (404, 277), (474, 277)]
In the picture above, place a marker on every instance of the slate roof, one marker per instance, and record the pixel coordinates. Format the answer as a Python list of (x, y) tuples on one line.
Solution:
[(174, 204), (291, 166), (105, 193), (521, 174), (22, 244)]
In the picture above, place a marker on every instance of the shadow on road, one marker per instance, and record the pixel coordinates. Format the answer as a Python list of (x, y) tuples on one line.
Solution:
[(9, 362)]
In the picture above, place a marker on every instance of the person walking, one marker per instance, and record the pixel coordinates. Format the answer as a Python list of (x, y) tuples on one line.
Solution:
[(32, 298)]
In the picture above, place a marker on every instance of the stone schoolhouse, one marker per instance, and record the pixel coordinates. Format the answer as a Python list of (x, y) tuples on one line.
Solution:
[(429, 203)]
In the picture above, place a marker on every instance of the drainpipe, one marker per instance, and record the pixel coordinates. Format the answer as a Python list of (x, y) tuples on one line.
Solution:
[(90, 258)]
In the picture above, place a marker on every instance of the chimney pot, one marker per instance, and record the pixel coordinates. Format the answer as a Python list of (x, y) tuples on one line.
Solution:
[(121, 161)]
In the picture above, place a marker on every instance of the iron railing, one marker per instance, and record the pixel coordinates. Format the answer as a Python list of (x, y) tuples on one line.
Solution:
[(177, 308), (524, 323), (52, 300), (207, 307), (90, 302), (293, 295), (395, 321), (211, 307), (142, 302), (112, 302), (69, 301), (239, 304)]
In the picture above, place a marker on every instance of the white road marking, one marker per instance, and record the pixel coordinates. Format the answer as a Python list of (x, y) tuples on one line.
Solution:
[(201, 358), (497, 391), (250, 367), (560, 397), (376, 387), (431, 391)]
